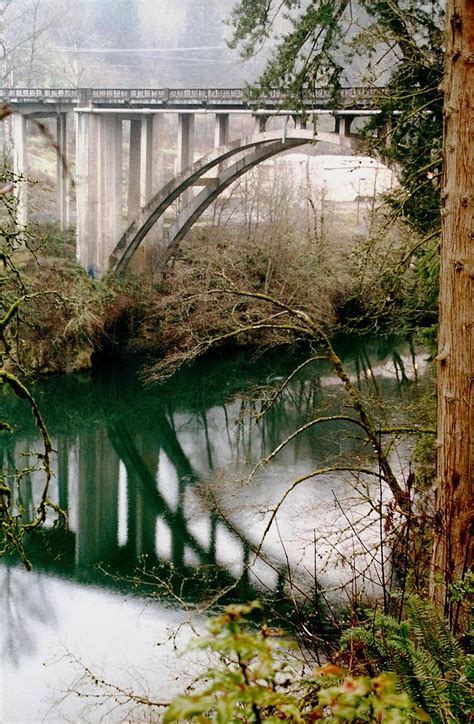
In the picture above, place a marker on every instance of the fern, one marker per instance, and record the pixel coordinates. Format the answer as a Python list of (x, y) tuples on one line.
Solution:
[(430, 663), (433, 633), (432, 684)]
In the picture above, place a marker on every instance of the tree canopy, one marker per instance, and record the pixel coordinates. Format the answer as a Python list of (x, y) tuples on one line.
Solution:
[(393, 46)]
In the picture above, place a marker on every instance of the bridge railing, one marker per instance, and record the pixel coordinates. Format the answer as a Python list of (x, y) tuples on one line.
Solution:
[(360, 96)]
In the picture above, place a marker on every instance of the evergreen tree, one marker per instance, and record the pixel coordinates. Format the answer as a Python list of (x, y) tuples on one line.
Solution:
[(409, 132)]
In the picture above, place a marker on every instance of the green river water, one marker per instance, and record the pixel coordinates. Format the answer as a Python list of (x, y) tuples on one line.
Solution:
[(163, 515)]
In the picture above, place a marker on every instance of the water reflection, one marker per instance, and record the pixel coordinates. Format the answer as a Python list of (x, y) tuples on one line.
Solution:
[(23, 609), (130, 460)]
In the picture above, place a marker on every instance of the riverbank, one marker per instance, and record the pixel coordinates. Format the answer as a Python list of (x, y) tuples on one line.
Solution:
[(72, 319)]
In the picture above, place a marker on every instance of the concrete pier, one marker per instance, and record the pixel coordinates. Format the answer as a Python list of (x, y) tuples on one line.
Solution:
[(97, 502), (146, 160), (85, 186), (141, 175), (185, 150), (99, 189), (134, 169), (140, 170), (260, 123), (221, 136), (20, 168), (343, 125), (62, 171)]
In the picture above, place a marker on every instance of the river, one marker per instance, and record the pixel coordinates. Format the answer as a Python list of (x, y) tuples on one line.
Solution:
[(168, 506)]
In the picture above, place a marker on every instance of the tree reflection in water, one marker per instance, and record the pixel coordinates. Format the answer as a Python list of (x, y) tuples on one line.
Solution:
[(131, 461), (23, 607)]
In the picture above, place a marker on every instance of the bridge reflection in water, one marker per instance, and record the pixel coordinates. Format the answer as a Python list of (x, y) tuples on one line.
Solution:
[(131, 461)]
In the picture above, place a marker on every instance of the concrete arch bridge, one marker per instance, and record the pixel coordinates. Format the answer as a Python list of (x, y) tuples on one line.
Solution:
[(120, 176), (231, 161)]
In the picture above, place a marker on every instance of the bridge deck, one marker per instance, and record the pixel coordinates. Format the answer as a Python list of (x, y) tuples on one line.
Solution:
[(176, 98)]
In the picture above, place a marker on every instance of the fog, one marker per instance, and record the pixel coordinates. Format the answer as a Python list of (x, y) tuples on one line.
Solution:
[(121, 43), (134, 43)]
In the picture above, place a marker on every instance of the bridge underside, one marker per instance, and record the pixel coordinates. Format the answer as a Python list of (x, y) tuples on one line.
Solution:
[(120, 151), (251, 150)]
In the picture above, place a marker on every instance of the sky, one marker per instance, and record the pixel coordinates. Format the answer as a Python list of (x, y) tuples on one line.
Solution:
[(122, 43)]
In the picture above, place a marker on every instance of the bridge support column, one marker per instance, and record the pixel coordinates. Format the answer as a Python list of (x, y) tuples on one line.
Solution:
[(185, 141), (386, 133), (221, 136), (99, 189), (159, 174), (146, 160), (20, 168), (185, 153), (86, 187), (140, 171), (260, 123), (343, 125), (141, 176), (300, 122), (134, 170), (62, 173), (97, 518)]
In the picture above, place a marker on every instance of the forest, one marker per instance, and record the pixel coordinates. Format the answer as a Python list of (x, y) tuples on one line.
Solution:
[(268, 337)]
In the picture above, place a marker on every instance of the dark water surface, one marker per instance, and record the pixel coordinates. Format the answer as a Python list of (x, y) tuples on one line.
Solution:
[(162, 516)]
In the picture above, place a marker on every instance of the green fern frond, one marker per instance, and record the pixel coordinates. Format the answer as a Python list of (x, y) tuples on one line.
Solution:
[(433, 685), (422, 651), (433, 633)]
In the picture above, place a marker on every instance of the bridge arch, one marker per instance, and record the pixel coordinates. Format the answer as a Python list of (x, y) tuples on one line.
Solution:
[(256, 149)]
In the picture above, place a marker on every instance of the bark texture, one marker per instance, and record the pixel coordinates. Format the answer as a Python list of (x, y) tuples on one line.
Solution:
[(453, 543)]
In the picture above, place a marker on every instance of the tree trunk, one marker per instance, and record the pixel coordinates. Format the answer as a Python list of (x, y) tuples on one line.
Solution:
[(453, 540)]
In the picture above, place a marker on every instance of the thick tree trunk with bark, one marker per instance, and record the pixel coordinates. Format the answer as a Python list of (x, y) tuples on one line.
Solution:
[(453, 543)]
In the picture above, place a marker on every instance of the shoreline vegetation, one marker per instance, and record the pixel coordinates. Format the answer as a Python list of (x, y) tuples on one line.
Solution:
[(360, 283)]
